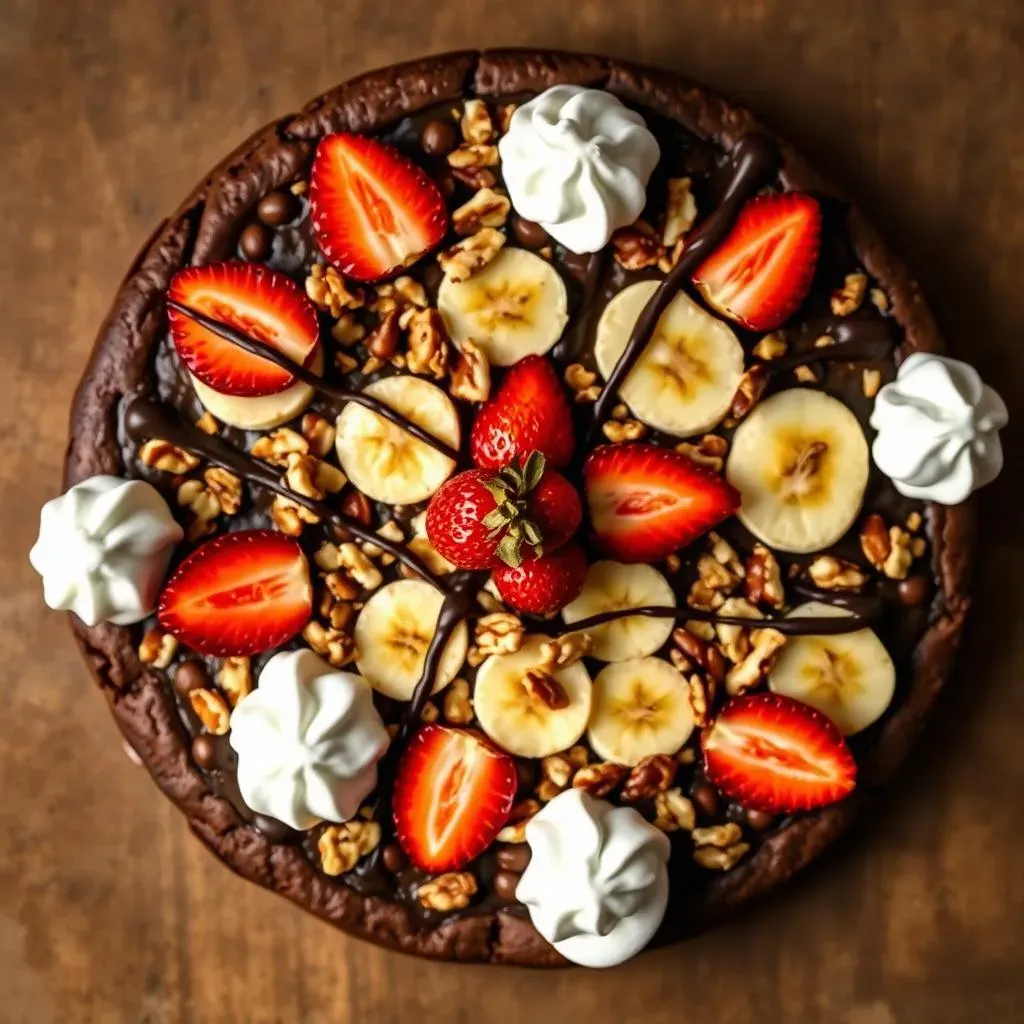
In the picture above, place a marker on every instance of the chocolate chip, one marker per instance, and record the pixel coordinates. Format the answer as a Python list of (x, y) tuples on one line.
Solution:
[(529, 234), (255, 242), (504, 884), (394, 858), (705, 796), (760, 820), (438, 138), (914, 590), (356, 505), (275, 831), (527, 772), (204, 751), (277, 208), (514, 857), (190, 675)]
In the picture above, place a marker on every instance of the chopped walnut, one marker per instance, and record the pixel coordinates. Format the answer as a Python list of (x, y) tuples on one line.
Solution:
[(289, 517), (582, 382), (348, 331), (235, 679), (547, 791), (464, 258), (763, 579), (709, 451), (429, 713), (452, 891), (428, 344), (477, 126), (359, 567), (166, 457), (302, 476), (725, 554), (715, 575), (557, 769), (600, 779), (755, 666), (225, 487), (430, 556), (771, 346), (565, 651), (701, 695), (409, 290), (914, 522), (901, 554), (636, 247), (471, 156), (680, 212), (879, 300), (875, 541), (326, 287), (486, 209), (341, 586), (871, 382), (674, 811), (545, 688), (475, 177), (748, 393), (847, 300), (499, 633), (382, 342), (157, 648), (298, 188), (831, 573), (207, 424), (715, 859), (698, 652), (204, 506), (319, 434), (337, 647), (505, 112), (918, 546), (342, 846), (470, 374), (277, 446), (211, 710), (805, 375), (718, 835), (736, 640), (458, 708), (618, 431), (652, 775)]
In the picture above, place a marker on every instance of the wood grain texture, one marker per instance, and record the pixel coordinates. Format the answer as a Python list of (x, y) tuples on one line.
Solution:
[(109, 909)]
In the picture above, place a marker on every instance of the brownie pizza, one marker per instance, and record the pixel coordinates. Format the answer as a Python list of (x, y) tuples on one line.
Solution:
[(517, 510)]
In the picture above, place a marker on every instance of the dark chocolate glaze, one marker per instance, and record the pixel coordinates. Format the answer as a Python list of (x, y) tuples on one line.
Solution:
[(753, 162), (306, 376), (865, 339)]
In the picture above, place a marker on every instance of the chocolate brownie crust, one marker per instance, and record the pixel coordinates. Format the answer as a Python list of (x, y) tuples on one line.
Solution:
[(200, 231)]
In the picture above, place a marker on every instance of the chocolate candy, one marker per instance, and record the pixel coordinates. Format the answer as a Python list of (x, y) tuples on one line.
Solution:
[(190, 675), (438, 138), (528, 234), (513, 858), (277, 208), (255, 242), (204, 752), (504, 884)]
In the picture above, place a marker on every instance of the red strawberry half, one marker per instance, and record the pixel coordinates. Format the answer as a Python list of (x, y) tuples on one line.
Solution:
[(762, 271), (772, 753), (452, 796), (646, 502), (543, 585), (238, 594), (529, 413), (373, 210), (255, 300)]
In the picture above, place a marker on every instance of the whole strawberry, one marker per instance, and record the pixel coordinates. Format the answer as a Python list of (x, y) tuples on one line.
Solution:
[(479, 519), (529, 413), (543, 585)]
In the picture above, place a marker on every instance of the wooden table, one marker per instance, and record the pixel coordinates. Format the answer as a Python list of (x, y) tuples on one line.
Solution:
[(109, 909)]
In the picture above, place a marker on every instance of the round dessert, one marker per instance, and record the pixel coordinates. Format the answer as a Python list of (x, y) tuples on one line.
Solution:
[(516, 509)]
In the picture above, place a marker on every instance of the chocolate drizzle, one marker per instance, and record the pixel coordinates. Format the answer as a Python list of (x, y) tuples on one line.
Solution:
[(308, 377), (859, 340), (754, 160)]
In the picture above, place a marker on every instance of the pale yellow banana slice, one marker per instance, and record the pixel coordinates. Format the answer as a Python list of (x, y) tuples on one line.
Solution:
[(611, 586), (518, 720), (800, 463), (383, 460), (514, 307), (850, 677), (685, 380), (641, 708), (264, 411), (393, 632)]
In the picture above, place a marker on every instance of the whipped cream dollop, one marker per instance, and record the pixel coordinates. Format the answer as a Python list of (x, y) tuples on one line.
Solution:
[(308, 740), (103, 549), (577, 161), (938, 429), (596, 886)]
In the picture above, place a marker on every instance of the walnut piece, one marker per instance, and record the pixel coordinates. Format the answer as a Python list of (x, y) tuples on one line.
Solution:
[(583, 383), (763, 579), (341, 846), (204, 506), (473, 155), (699, 652), (680, 211), (211, 710), (225, 487), (709, 451), (278, 445), (499, 633), (207, 424), (674, 811), (464, 258), (716, 859), (847, 300), (557, 769), (748, 393), (875, 541), (359, 567), (451, 891), (235, 679), (327, 289), (337, 647), (718, 835), (458, 708), (871, 382), (477, 126), (428, 344), (486, 209), (166, 457), (157, 648), (771, 346), (636, 247), (755, 666), (901, 554), (382, 342), (600, 779), (470, 374), (652, 775), (618, 431), (565, 651), (831, 573), (545, 688)]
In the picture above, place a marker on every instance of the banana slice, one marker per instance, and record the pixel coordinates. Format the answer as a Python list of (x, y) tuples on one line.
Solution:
[(393, 632), (641, 707), (850, 678), (800, 463), (610, 586), (514, 307), (519, 722), (685, 380), (262, 412), (384, 461)]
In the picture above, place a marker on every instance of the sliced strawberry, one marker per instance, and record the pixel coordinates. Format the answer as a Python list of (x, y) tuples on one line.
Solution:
[(772, 753), (646, 502), (239, 594), (762, 271), (529, 413), (258, 302), (543, 585), (452, 795), (373, 210)]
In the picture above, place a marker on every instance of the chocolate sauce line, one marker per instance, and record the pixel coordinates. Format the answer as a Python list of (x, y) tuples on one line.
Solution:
[(859, 340), (754, 159), (145, 419), (571, 344), (307, 377)]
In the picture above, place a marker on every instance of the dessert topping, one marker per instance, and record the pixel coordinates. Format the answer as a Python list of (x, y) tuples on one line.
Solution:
[(545, 584)]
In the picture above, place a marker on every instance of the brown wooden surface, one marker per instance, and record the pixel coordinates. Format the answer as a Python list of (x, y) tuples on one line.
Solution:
[(109, 909)]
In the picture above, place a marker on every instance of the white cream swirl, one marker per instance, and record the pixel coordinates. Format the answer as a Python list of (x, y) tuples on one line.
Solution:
[(577, 161), (103, 549), (938, 429), (596, 886), (308, 739)]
